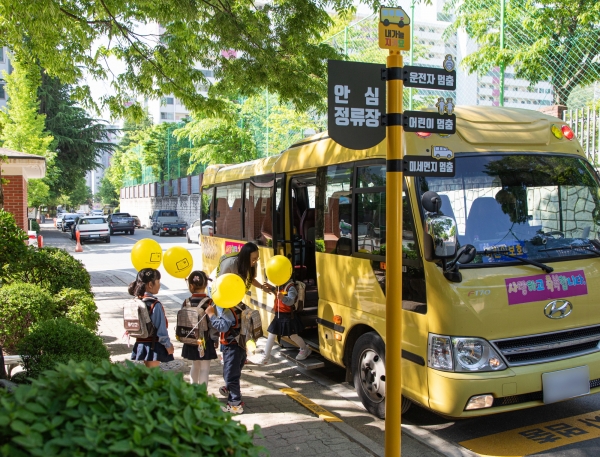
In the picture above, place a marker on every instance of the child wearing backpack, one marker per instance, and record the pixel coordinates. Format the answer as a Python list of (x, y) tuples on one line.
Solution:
[(285, 322), (201, 354), (157, 347)]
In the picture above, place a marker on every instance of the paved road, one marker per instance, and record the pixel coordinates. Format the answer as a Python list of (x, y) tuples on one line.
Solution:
[(570, 429)]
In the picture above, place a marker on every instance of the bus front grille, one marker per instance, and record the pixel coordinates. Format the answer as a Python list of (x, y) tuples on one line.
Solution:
[(549, 347)]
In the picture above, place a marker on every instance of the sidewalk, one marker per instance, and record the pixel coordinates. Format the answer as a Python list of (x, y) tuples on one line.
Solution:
[(288, 428)]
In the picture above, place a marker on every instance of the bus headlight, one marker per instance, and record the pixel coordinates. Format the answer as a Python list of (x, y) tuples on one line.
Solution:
[(462, 354), (475, 354)]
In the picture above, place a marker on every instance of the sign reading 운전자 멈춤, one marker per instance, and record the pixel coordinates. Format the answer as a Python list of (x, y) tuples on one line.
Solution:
[(356, 99)]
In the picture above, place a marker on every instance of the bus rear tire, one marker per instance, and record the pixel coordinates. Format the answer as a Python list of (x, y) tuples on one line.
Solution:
[(368, 368)]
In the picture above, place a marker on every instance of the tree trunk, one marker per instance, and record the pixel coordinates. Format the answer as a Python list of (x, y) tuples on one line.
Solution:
[(3, 374)]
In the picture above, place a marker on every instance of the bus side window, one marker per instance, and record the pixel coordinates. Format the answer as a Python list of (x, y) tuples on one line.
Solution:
[(413, 274), (337, 220)]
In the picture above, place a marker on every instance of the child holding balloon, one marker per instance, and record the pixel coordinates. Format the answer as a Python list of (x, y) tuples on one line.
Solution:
[(197, 283), (157, 347), (285, 322)]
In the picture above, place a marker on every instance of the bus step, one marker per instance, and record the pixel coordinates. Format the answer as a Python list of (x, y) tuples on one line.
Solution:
[(311, 363)]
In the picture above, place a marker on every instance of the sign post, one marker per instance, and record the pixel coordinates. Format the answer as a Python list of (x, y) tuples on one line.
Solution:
[(394, 34)]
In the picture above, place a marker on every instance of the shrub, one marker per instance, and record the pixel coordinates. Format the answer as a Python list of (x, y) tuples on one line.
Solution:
[(22, 306), (34, 225), (78, 306), (12, 239), (118, 410), (58, 341), (50, 268)]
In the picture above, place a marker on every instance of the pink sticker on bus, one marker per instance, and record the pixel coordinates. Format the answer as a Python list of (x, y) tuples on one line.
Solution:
[(527, 289), (232, 246)]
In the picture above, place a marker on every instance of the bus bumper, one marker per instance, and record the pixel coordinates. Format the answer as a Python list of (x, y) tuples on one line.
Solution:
[(514, 388)]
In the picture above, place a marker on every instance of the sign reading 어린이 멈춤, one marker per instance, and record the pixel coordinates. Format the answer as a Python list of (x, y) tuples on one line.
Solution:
[(420, 121), (356, 99)]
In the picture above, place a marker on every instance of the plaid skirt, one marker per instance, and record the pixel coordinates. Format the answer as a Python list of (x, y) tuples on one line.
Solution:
[(142, 350)]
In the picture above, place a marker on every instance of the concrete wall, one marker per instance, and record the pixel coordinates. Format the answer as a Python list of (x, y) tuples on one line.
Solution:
[(187, 206)]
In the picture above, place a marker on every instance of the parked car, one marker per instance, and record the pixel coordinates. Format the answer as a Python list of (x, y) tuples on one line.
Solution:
[(68, 221), (208, 228), (97, 212), (59, 220), (92, 228), (137, 221), (167, 222), (193, 233), (121, 222)]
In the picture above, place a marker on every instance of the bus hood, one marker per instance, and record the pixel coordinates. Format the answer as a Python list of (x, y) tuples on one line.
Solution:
[(516, 300)]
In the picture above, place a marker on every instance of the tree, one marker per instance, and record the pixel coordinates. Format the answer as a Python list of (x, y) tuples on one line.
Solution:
[(24, 129), (545, 40), (79, 139), (108, 194), (249, 48), (81, 194)]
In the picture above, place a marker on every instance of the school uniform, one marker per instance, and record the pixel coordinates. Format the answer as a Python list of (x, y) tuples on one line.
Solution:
[(190, 351), (154, 348), (285, 322)]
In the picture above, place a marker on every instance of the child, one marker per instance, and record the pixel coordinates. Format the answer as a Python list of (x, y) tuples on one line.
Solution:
[(157, 347), (285, 323), (227, 321), (197, 282)]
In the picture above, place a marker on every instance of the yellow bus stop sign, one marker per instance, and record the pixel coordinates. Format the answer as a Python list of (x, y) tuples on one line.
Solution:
[(394, 29)]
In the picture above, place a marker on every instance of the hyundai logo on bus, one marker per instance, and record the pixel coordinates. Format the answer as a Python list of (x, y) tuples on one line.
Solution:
[(356, 99), (558, 309)]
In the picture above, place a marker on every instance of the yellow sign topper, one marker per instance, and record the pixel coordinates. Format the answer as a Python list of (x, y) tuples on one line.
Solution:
[(394, 29)]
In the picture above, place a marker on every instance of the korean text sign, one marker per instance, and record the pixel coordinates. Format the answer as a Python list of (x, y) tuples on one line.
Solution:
[(356, 101)]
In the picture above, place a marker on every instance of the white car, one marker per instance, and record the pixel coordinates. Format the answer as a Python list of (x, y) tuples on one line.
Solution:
[(193, 232), (93, 228)]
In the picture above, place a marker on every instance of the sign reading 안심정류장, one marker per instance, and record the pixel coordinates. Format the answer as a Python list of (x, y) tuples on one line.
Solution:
[(356, 100)]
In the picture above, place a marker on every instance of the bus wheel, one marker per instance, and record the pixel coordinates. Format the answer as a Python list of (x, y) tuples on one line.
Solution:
[(368, 368)]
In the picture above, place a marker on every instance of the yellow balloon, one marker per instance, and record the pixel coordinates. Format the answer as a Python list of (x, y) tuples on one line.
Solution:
[(178, 262), (228, 290), (146, 253), (279, 270)]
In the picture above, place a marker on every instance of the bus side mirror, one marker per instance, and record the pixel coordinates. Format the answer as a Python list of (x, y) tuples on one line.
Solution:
[(440, 240)]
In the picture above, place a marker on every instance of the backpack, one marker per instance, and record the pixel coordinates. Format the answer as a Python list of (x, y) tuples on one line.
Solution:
[(251, 325), (136, 319), (192, 323)]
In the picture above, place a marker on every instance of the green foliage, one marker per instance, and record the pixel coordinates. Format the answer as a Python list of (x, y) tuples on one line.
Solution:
[(92, 410), (78, 306), (108, 193), (78, 139), (34, 225), (51, 268), (55, 341), (21, 306), (12, 239), (276, 47), (24, 128), (544, 40), (38, 192)]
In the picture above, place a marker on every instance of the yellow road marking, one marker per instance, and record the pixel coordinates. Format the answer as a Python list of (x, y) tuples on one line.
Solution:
[(538, 437), (311, 406)]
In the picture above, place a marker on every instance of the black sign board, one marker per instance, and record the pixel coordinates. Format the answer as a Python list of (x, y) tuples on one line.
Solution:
[(429, 78), (356, 99), (427, 166), (420, 121)]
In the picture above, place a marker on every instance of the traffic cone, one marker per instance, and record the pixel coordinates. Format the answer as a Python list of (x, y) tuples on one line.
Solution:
[(54, 222), (78, 247), (40, 241)]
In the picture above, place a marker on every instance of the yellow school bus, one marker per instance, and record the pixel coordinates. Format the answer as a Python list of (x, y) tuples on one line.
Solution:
[(500, 258)]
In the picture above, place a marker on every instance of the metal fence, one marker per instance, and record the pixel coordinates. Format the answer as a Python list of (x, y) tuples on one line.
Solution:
[(585, 122)]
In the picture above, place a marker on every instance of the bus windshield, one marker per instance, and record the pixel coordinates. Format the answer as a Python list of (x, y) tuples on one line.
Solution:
[(542, 207)]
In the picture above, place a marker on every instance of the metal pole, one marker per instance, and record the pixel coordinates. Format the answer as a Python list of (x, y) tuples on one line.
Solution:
[(169, 153), (393, 303), (502, 66), (412, 53)]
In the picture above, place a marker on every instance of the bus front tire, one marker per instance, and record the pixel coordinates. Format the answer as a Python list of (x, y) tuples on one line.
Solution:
[(368, 368)]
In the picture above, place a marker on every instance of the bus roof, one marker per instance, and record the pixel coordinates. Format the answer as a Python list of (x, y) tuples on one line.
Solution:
[(478, 129)]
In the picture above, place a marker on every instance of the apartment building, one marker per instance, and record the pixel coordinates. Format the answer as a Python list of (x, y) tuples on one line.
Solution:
[(5, 66)]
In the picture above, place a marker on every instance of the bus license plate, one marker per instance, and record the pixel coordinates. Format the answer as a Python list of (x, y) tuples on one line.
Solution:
[(564, 384), (94, 236)]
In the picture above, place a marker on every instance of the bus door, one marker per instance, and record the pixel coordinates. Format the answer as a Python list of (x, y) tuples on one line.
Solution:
[(301, 219)]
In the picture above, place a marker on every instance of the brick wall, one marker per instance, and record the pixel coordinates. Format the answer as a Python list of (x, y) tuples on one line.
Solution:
[(554, 110), (15, 199)]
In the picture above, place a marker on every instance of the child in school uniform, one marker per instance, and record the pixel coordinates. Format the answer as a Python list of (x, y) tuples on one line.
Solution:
[(285, 322), (157, 347), (197, 283)]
